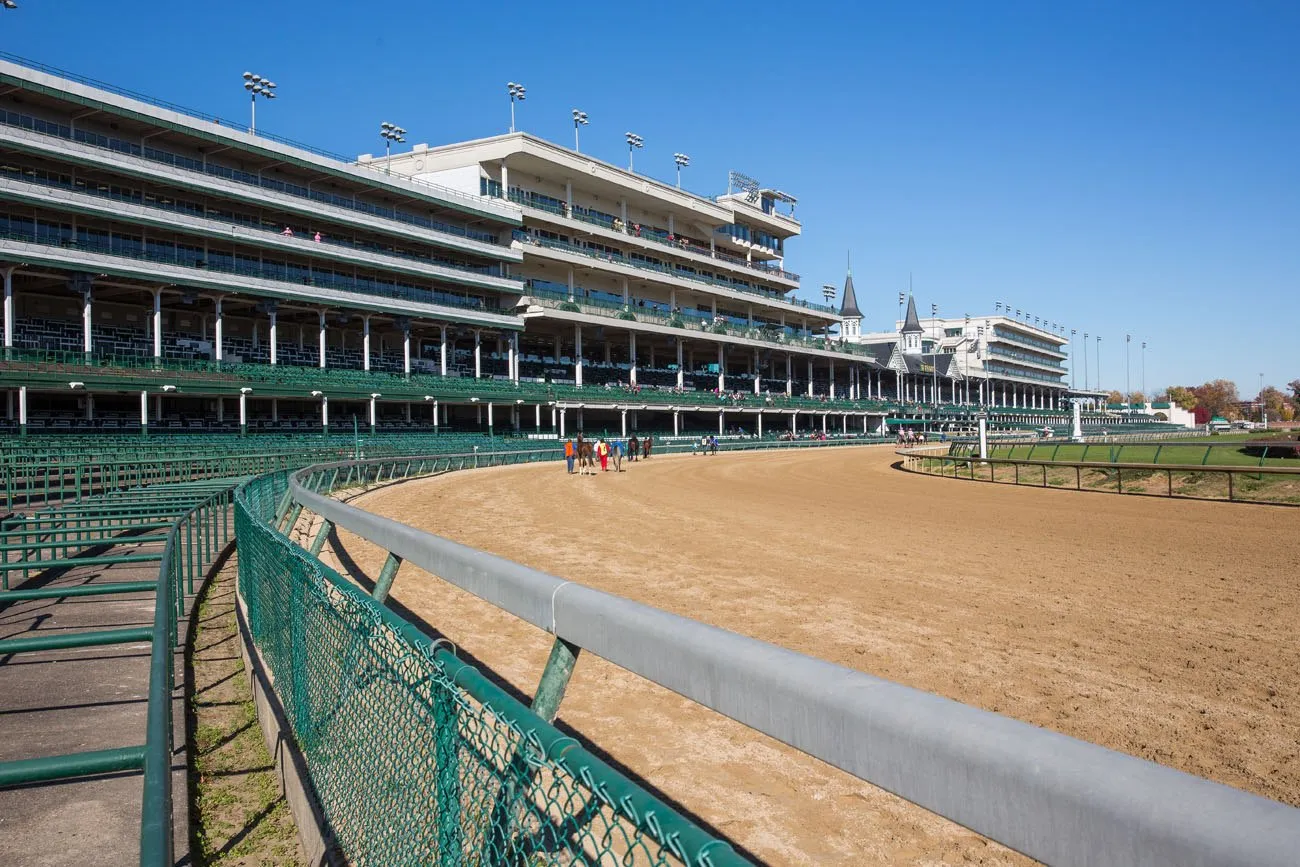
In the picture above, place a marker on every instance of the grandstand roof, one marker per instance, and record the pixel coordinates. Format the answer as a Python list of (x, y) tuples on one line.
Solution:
[(912, 324), (849, 306)]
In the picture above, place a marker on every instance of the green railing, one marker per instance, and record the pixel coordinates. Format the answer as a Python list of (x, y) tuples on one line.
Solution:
[(415, 757)]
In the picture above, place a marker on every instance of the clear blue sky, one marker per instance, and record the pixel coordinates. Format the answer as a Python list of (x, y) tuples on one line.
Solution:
[(1113, 166)]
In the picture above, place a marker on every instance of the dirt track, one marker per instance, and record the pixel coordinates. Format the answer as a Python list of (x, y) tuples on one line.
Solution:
[(1166, 629)]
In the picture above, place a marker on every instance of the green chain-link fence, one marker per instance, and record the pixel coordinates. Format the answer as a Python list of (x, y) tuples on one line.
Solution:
[(417, 758)]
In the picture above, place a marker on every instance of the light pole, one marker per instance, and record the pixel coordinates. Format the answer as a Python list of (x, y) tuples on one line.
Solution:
[(1261, 397), (1097, 358), (965, 333), (1085, 361), (934, 362), (256, 86), (681, 160), (1145, 396), (634, 141), (1128, 388), (390, 133), (516, 92), (579, 119), (1072, 333)]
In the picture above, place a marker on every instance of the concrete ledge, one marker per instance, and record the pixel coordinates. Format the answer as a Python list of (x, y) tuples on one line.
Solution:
[(295, 784)]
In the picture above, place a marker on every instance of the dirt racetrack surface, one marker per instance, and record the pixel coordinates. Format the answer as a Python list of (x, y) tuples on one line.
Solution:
[(1163, 628)]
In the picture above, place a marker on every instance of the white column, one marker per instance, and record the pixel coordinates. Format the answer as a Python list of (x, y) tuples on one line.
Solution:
[(810, 379), (435, 416), (324, 412), (677, 422), (85, 322), (273, 335), (627, 298), (623, 421), (220, 332), (513, 344), (243, 411), (681, 372), (365, 342), (322, 339), (442, 352), (760, 425), (722, 369), (22, 407), (577, 355), (825, 415), (9, 307), (372, 413), (570, 285), (537, 416), (844, 419), (789, 375), (144, 410), (794, 422), (157, 323), (406, 350), (720, 421), (830, 379), (758, 375), (631, 354), (478, 354), (562, 414), (505, 181)]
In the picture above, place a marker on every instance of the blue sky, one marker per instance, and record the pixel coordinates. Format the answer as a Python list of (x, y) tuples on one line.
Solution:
[(1117, 167)]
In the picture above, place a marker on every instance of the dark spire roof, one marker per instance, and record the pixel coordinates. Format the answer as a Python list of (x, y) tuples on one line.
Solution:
[(849, 305), (912, 323)]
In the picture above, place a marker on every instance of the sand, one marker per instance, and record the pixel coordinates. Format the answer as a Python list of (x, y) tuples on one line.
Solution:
[(1166, 629)]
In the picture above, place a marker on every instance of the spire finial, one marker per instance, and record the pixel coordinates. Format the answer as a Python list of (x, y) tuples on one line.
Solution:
[(848, 257)]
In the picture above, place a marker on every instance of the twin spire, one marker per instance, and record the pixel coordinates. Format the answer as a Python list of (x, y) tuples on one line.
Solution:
[(849, 306)]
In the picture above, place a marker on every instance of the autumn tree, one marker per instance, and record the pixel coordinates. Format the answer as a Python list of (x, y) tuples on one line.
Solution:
[(1219, 398), (1137, 398), (1114, 397), (1276, 404), (1182, 397)]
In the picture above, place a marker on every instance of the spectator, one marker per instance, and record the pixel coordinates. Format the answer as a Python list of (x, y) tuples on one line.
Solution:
[(568, 454), (317, 238), (288, 232), (602, 449)]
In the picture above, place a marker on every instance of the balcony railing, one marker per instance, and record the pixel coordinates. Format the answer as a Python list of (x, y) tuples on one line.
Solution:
[(654, 234), (557, 298), (1023, 374), (226, 218), (620, 259), (50, 238), (1024, 340), (189, 164), (1025, 357), (434, 189)]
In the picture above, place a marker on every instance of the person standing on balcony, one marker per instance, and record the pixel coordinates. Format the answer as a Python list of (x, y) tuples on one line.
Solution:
[(317, 238), (288, 232)]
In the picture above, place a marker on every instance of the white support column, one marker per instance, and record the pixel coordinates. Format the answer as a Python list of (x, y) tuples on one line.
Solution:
[(789, 375), (677, 422), (86, 314), (555, 419), (631, 355), (8, 274), (627, 297), (442, 352), (537, 416), (825, 416), (372, 413), (810, 378), (513, 344), (570, 285), (505, 181), (406, 350), (22, 409), (722, 369), (794, 422), (720, 422), (760, 425), (435, 416), (243, 411), (562, 414), (681, 372), (844, 419), (758, 374), (478, 354), (831, 380), (324, 412), (322, 339), (157, 323), (365, 342), (577, 355), (623, 421), (273, 334), (218, 345), (144, 411)]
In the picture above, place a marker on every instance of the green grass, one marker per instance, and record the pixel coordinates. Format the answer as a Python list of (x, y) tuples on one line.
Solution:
[(1206, 452)]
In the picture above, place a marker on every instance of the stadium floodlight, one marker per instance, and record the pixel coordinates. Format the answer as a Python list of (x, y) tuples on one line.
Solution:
[(828, 292), (516, 92), (317, 394), (257, 86), (390, 132), (76, 385), (579, 120), (681, 160), (9, 4), (245, 390), (634, 141)]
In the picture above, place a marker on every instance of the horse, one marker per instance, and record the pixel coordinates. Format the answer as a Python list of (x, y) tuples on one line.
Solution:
[(646, 445), (586, 461), (633, 448)]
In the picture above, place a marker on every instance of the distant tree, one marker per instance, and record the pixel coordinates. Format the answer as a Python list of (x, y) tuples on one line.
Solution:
[(1219, 397), (1276, 404), (1294, 385), (1114, 397), (1137, 398), (1182, 397)]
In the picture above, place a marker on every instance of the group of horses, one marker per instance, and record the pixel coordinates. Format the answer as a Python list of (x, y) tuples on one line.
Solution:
[(585, 451)]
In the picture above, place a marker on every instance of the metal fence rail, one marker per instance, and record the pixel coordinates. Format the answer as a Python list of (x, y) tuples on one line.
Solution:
[(1054, 798), (415, 757)]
